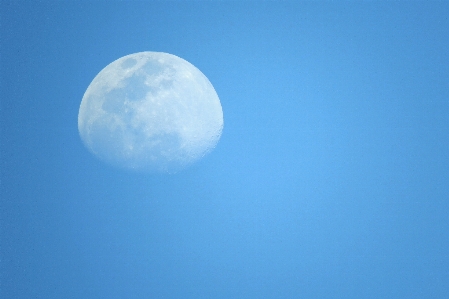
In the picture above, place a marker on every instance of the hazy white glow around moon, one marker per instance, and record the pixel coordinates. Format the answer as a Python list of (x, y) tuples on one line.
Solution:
[(150, 111)]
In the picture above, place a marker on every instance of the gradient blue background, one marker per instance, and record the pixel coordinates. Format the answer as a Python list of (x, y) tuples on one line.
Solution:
[(331, 179)]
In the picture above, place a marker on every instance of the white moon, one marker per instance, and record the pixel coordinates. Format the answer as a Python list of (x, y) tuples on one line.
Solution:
[(150, 111)]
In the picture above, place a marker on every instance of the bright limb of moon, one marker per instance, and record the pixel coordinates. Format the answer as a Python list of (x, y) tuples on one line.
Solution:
[(150, 111)]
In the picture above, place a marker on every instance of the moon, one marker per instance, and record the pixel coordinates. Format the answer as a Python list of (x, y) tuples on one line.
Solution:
[(150, 112)]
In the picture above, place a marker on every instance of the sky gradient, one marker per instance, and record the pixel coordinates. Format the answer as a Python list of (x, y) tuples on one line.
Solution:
[(331, 178)]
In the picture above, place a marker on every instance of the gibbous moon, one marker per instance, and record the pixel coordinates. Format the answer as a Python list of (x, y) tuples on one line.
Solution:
[(152, 112)]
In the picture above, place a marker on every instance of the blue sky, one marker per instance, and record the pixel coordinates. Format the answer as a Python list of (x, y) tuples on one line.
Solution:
[(331, 179)]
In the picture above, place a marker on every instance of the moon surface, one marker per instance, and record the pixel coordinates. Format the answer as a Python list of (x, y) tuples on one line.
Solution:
[(151, 112)]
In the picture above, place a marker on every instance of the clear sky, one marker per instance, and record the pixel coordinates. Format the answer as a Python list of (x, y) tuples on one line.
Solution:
[(331, 179)]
